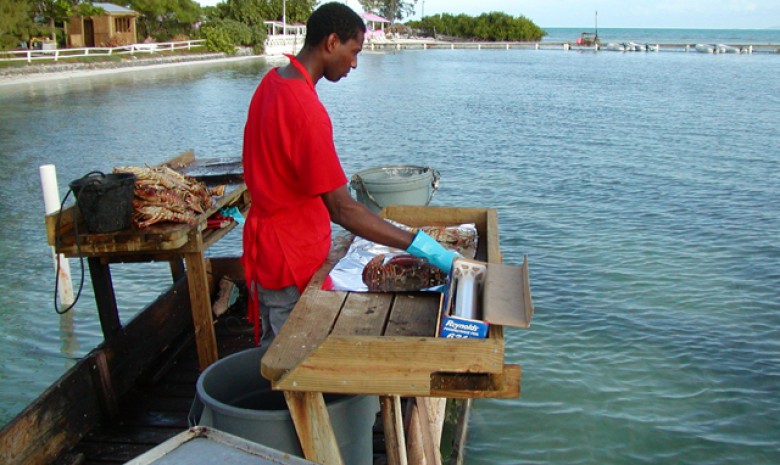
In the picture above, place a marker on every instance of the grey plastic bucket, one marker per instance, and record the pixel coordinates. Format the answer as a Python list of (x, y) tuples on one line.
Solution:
[(232, 396), (377, 188)]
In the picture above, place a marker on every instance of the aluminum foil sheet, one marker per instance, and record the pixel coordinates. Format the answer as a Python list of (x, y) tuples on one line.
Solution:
[(347, 275)]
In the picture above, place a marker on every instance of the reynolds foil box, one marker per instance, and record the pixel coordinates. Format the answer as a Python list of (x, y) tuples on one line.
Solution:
[(481, 294), (453, 327)]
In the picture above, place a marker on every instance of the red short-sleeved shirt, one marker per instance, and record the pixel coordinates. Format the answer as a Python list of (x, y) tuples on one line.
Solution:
[(289, 161)]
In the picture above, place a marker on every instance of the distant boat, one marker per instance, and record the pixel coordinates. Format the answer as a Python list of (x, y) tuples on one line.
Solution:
[(614, 47), (723, 48), (636, 47), (717, 48)]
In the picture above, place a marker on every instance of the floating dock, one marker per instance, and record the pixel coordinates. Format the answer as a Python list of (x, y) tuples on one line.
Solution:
[(431, 44)]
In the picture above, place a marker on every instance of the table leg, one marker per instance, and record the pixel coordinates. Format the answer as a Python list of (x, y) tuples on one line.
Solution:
[(312, 423), (200, 301), (177, 269), (424, 433), (100, 273), (392, 422)]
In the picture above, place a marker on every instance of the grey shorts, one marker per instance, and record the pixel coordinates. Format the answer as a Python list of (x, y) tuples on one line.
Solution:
[(275, 308)]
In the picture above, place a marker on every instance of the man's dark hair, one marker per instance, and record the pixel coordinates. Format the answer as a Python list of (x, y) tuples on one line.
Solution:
[(333, 17)]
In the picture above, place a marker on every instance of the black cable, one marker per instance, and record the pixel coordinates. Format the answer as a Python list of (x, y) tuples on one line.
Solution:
[(58, 242)]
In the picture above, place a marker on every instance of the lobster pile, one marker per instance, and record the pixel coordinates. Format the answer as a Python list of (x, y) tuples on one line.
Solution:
[(162, 194)]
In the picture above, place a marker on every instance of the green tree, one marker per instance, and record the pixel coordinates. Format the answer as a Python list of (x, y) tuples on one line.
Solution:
[(15, 23), (163, 19), (53, 12), (390, 9), (241, 22), (493, 26), (254, 12)]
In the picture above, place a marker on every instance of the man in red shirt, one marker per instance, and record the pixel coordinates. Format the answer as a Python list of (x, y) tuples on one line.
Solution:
[(294, 176)]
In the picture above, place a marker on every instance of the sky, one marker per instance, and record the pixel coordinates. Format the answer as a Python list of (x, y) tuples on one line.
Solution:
[(686, 14)]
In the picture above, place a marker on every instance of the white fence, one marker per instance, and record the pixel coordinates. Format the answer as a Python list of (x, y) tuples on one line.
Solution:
[(278, 44), (57, 54)]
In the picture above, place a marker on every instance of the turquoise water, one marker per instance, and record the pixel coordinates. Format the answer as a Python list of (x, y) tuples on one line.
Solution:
[(668, 36), (644, 188)]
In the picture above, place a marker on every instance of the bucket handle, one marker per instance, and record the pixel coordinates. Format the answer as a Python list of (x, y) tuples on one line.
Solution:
[(434, 187), (102, 175), (434, 183)]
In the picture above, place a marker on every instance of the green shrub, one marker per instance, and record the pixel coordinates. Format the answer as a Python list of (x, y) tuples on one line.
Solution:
[(236, 33), (218, 40)]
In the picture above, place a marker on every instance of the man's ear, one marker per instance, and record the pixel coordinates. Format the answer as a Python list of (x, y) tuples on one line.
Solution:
[(331, 42)]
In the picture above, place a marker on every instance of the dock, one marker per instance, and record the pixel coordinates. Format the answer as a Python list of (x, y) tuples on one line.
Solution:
[(135, 391), (432, 44)]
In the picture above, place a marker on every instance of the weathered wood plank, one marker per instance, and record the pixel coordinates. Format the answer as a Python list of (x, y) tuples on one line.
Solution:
[(54, 421), (392, 424), (200, 302), (472, 386), (181, 160), (389, 365), (363, 314), (147, 335), (312, 424), (414, 314), (100, 272), (71, 407), (309, 324), (426, 417)]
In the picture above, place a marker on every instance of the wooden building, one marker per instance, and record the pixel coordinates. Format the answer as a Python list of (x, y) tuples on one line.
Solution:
[(115, 26)]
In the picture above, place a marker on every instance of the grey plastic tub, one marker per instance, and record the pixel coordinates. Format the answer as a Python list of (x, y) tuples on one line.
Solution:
[(377, 188), (232, 396)]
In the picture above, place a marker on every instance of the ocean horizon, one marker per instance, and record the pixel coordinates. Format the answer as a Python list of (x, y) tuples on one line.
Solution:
[(669, 35)]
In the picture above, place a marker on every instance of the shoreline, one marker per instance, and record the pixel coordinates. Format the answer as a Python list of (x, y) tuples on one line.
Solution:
[(51, 72)]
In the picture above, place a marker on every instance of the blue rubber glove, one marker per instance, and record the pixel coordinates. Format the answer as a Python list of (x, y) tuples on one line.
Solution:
[(424, 246)]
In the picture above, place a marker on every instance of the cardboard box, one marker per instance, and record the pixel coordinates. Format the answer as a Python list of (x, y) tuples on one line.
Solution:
[(481, 294)]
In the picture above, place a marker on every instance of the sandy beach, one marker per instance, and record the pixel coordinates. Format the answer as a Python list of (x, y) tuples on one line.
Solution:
[(55, 71)]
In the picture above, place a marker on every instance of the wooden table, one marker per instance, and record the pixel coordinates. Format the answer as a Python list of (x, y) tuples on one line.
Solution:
[(180, 244), (383, 344)]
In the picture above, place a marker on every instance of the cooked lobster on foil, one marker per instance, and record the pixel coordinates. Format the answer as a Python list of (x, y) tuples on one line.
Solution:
[(462, 240), (401, 273)]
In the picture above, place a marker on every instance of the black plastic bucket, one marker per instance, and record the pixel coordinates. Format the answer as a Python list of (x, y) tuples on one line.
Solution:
[(105, 200)]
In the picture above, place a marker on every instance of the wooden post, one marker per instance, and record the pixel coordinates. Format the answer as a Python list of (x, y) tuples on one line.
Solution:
[(312, 423), (200, 301), (177, 269), (392, 421), (104, 296), (424, 432)]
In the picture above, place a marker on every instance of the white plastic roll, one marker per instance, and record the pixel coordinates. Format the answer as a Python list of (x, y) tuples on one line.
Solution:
[(466, 297), (51, 203)]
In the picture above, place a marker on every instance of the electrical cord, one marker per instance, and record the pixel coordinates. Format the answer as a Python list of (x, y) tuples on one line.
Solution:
[(58, 243)]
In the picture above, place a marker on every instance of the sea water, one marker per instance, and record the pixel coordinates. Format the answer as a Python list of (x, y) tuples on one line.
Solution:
[(644, 189)]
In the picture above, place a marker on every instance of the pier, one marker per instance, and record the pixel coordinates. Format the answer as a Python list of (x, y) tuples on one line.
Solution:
[(432, 44)]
